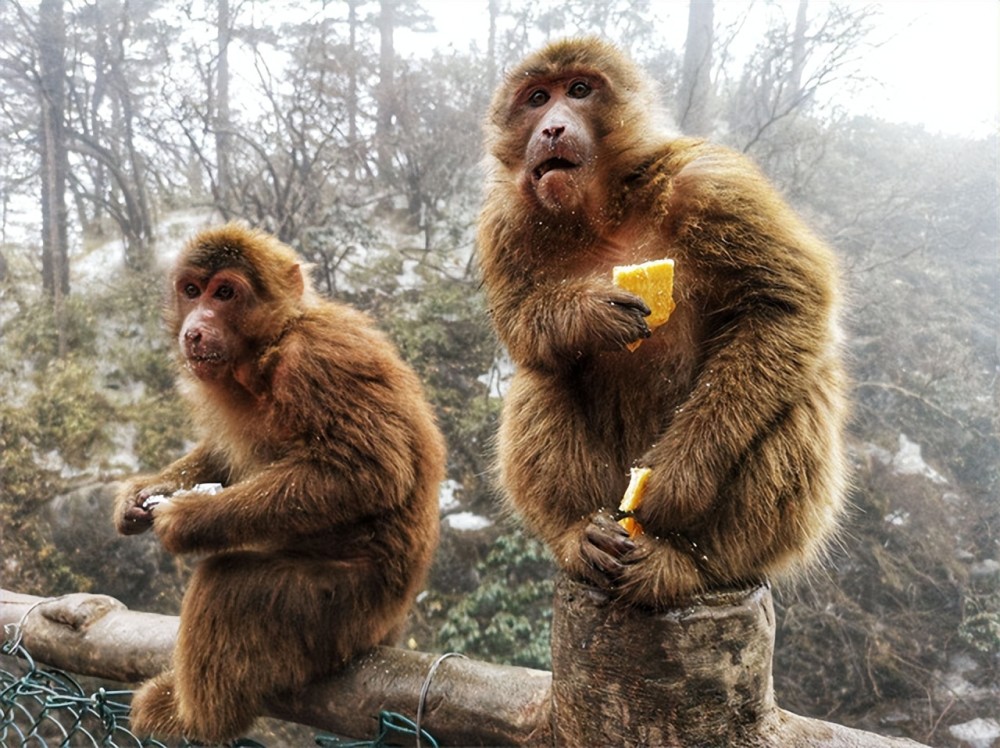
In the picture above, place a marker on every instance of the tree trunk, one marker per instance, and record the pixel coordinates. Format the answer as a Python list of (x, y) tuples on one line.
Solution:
[(354, 55), (686, 677), (386, 88), (55, 163), (694, 96), (491, 48), (223, 120), (793, 92)]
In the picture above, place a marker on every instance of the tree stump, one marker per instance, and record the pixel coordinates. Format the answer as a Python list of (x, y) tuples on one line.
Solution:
[(693, 676)]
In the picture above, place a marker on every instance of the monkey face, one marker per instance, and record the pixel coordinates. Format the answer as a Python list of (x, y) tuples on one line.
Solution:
[(211, 310), (560, 151)]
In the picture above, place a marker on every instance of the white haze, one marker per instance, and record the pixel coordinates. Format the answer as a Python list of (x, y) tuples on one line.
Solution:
[(934, 63)]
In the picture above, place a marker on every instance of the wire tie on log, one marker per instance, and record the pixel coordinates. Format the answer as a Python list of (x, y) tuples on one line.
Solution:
[(13, 633), (427, 687)]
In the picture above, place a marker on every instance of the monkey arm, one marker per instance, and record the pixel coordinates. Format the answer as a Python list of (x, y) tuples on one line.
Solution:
[(201, 465), (768, 358), (550, 324), (767, 291), (541, 438), (291, 499)]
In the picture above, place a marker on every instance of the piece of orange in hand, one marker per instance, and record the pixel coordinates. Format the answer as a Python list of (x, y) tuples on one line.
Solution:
[(633, 499), (653, 282)]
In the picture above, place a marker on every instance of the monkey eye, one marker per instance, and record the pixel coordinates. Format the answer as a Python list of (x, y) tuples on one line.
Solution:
[(579, 90), (538, 97), (225, 292), (191, 290)]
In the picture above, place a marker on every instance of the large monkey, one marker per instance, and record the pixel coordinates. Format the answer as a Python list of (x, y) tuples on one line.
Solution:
[(736, 403), (329, 458)]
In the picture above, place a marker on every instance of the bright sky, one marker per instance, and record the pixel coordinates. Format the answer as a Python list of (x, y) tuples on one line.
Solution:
[(939, 64), (942, 67)]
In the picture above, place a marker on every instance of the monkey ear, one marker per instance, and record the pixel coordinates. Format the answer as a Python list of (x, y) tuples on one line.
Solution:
[(296, 283)]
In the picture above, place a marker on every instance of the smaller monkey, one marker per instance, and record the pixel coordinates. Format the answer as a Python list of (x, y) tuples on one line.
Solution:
[(737, 404), (329, 460)]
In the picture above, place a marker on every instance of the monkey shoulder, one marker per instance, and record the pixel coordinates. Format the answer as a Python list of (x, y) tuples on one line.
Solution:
[(333, 359), (333, 333), (724, 214), (700, 175)]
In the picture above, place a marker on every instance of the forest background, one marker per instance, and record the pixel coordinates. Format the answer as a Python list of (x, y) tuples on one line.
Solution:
[(127, 125)]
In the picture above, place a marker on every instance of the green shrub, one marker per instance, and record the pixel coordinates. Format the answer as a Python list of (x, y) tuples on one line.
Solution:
[(508, 618)]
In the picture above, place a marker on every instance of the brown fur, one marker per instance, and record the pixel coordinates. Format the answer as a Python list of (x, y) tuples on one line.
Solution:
[(736, 403), (330, 459)]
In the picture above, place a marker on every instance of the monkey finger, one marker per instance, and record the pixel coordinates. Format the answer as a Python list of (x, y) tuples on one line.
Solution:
[(629, 302), (136, 520), (607, 523), (608, 536), (630, 323), (607, 567)]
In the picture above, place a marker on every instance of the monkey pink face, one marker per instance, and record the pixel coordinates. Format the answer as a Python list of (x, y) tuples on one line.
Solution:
[(561, 150), (210, 337)]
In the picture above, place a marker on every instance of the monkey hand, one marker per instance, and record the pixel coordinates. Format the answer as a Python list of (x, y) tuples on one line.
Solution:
[(619, 319), (607, 550), (134, 514), (184, 524)]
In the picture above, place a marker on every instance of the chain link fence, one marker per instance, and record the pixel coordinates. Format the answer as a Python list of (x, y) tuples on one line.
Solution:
[(44, 707)]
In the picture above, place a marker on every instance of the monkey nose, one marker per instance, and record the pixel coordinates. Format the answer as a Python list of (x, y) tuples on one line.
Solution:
[(554, 131), (192, 336)]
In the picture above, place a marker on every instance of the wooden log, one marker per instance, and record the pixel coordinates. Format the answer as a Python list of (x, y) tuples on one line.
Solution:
[(467, 702), (694, 676), (92, 635)]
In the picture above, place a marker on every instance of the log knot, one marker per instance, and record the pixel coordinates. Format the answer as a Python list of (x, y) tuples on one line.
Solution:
[(79, 611)]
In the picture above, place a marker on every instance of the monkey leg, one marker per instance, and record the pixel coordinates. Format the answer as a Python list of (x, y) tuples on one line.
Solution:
[(256, 624), (154, 707)]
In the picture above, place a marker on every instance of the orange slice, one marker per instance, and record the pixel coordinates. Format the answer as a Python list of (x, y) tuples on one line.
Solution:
[(653, 282), (633, 499)]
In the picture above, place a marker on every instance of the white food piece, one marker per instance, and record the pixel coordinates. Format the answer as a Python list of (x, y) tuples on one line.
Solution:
[(209, 488), (206, 488), (155, 500)]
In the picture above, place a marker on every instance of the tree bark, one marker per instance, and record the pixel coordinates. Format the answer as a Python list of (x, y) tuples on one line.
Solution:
[(54, 159), (693, 675)]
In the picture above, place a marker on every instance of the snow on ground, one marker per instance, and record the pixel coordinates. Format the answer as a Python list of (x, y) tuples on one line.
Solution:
[(467, 521), (908, 461), (978, 733), (91, 266), (447, 499)]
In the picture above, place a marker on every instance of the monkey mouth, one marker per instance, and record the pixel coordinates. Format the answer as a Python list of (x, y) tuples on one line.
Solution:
[(200, 363), (553, 164), (204, 358)]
